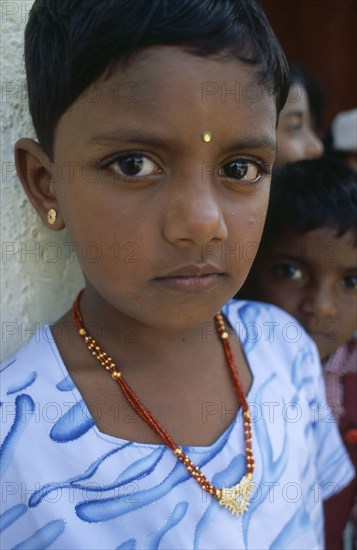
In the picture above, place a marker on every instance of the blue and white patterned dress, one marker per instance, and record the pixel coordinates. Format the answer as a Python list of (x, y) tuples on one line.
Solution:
[(67, 485)]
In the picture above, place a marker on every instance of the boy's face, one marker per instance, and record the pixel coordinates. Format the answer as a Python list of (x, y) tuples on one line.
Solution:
[(296, 138), (313, 276), (166, 224)]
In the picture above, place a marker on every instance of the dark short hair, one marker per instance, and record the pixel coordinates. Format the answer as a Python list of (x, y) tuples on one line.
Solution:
[(310, 194), (70, 44)]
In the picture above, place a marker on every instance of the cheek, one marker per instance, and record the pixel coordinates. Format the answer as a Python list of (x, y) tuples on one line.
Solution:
[(95, 211), (289, 149), (105, 240), (245, 235), (348, 323), (274, 291), (250, 217)]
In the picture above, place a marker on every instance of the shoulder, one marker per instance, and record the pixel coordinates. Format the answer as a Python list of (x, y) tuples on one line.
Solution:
[(271, 337), (266, 323), (249, 311), (286, 364), (21, 370)]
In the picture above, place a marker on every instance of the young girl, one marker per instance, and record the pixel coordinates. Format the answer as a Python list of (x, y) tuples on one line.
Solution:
[(163, 447)]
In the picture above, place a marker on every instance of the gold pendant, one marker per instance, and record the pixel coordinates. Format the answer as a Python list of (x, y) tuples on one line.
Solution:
[(236, 499)]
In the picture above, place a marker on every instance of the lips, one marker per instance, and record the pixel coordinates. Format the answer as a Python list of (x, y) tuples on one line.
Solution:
[(192, 270), (194, 277)]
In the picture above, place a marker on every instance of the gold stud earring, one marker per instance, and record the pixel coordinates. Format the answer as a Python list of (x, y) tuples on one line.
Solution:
[(51, 216), (207, 136)]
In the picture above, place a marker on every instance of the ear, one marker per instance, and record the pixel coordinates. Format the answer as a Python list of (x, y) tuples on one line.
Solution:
[(38, 175)]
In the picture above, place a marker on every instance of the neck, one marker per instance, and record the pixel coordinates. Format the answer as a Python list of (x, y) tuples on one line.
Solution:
[(179, 378), (118, 331), (140, 346)]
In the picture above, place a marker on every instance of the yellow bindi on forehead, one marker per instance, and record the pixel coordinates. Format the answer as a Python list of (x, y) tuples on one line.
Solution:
[(207, 136)]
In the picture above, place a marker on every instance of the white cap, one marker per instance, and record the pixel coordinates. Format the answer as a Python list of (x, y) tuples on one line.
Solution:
[(344, 131)]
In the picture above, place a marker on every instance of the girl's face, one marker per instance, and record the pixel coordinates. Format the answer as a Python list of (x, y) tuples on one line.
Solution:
[(166, 224), (296, 140), (313, 276)]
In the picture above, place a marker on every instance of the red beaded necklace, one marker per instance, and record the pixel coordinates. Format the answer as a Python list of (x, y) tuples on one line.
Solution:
[(236, 498)]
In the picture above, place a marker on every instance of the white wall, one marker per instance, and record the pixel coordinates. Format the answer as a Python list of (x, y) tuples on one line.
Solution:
[(39, 274)]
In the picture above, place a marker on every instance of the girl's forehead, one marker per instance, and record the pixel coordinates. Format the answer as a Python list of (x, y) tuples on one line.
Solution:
[(168, 90), (170, 73), (173, 61)]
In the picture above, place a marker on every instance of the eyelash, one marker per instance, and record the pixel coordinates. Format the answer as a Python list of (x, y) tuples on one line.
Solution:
[(245, 163), (262, 169), (350, 278), (295, 127), (134, 155), (285, 271)]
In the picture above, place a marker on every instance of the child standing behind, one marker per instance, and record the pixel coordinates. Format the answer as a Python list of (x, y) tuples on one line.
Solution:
[(307, 265)]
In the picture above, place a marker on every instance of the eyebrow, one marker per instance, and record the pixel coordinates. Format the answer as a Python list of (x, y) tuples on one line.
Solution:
[(288, 258), (129, 136), (256, 142), (294, 113), (297, 259)]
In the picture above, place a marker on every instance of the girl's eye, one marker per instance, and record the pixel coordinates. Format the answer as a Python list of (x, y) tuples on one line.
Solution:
[(350, 282), (294, 127), (293, 122), (242, 170), (133, 166), (288, 271)]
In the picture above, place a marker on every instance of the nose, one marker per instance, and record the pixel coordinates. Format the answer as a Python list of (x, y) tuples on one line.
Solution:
[(194, 214), (313, 145), (321, 302)]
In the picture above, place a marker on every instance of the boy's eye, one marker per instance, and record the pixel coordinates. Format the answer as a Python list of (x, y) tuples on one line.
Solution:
[(288, 271), (133, 166), (242, 170), (350, 282)]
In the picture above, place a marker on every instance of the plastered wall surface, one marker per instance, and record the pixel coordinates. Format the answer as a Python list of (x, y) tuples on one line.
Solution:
[(39, 272)]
